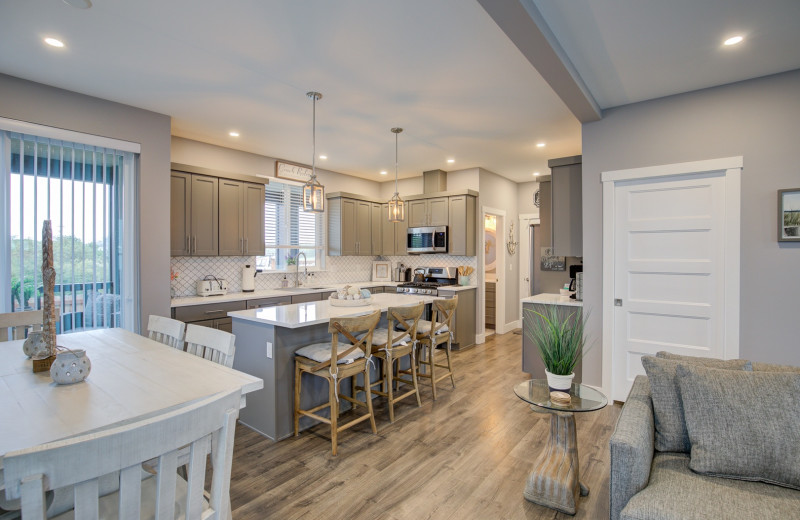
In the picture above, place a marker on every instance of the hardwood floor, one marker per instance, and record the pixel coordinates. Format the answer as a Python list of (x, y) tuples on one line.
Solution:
[(466, 456)]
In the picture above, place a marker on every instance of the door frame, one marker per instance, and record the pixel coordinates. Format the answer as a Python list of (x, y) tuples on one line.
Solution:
[(500, 292), (525, 221), (732, 168)]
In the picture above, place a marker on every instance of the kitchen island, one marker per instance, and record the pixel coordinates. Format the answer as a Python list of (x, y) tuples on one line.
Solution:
[(266, 340)]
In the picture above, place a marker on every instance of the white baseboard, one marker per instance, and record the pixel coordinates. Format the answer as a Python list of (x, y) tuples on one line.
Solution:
[(480, 338)]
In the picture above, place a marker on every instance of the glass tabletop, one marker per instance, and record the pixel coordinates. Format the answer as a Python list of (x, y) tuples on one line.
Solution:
[(584, 398)]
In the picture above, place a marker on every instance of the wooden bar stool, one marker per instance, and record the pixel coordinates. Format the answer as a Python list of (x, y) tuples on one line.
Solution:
[(430, 334), (390, 345), (351, 360)]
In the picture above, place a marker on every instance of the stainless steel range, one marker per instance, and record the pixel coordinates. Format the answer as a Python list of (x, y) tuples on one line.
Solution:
[(434, 277)]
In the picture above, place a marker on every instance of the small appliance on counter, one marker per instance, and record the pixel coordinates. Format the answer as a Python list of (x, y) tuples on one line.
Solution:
[(212, 286), (249, 273), (574, 270)]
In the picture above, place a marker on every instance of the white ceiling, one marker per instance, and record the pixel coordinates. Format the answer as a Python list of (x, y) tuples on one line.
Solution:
[(441, 70), (632, 50)]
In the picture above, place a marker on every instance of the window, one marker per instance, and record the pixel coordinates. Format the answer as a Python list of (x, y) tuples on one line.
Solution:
[(79, 188), (289, 230)]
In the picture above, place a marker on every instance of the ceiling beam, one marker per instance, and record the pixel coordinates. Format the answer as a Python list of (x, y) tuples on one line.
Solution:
[(525, 27)]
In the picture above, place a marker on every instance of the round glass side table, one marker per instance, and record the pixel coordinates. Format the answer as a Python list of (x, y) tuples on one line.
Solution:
[(554, 480)]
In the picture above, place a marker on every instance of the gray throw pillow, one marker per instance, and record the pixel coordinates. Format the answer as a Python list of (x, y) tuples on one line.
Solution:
[(743, 425), (671, 434)]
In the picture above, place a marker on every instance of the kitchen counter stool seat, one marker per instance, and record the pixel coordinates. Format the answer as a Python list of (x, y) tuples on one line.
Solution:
[(351, 358), (429, 337), (390, 350)]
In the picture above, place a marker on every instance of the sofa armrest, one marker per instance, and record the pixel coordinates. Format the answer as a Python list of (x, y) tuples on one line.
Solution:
[(632, 445)]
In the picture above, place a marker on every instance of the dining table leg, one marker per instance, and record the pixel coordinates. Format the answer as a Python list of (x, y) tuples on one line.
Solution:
[(554, 480)]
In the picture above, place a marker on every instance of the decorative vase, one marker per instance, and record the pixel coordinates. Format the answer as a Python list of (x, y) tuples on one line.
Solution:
[(463, 280), (559, 383), (35, 345), (70, 366)]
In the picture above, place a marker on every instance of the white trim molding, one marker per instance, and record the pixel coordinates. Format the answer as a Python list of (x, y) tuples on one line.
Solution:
[(731, 169), (51, 132)]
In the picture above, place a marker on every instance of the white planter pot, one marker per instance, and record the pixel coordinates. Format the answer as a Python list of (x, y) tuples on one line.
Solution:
[(560, 383)]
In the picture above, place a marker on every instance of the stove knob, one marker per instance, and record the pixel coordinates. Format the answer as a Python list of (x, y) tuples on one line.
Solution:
[(411, 290)]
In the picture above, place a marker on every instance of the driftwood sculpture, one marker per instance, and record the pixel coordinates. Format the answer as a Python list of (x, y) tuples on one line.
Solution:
[(49, 284)]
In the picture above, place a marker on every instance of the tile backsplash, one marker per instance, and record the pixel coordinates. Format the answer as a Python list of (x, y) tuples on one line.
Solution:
[(338, 269)]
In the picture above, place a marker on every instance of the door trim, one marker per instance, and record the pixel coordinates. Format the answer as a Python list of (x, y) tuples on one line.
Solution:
[(525, 221), (732, 168), (500, 292)]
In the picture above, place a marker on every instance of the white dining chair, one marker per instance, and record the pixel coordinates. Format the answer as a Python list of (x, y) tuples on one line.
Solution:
[(212, 344), (81, 461), (13, 325), (166, 330)]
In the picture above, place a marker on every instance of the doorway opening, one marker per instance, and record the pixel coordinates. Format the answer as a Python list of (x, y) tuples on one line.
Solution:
[(493, 271)]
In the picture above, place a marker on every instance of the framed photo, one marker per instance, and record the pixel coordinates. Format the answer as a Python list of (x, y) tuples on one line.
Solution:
[(381, 271), (789, 215), (550, 262), (292, 172)]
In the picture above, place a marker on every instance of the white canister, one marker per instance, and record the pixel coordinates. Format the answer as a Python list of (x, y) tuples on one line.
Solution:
[(70, 366), (248, 278)]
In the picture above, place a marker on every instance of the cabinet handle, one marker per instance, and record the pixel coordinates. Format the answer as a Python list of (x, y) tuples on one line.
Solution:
[(214, 311), (188, 243), (194, 238), (246, 245)]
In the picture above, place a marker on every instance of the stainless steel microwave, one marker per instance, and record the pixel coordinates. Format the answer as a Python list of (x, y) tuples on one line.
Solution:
[(427, 240)]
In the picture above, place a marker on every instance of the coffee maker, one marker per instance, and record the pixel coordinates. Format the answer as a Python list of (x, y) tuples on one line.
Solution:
[(574, 272)]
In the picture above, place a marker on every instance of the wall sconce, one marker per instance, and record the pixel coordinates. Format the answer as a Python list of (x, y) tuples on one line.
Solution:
[(511, 245)]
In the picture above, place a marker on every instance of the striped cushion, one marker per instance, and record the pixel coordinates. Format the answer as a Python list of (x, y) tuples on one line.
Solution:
[(424, 327), (381, 336), (321, 352)]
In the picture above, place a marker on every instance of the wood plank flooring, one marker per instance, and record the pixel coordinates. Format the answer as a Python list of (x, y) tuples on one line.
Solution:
[(465, 456)]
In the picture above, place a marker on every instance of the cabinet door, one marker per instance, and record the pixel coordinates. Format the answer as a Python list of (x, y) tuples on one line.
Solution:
[(566, 199), (231, 241), (400, 236), (461, 230), (417, 213), (387, 233), (204, 216), (377, 229), (253, 219), (348, 229), (180, 214), (363, 228), (438, 214)]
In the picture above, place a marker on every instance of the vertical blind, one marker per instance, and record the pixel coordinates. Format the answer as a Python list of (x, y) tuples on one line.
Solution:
[(290, 230), (79, 188)]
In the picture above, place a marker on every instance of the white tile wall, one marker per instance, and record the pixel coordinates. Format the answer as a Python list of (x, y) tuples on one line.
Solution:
[(339, 269)]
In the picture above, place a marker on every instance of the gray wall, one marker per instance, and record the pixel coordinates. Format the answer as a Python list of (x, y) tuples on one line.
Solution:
[(36, 103), (757, 119)]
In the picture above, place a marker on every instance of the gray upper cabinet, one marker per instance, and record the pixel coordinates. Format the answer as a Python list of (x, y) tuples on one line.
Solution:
[(377, 228), (394, 236), (180, 213), (211, 216), (461, 232), (204, 230), (566, 223), (349, 227), (428, 212), (241, 218)]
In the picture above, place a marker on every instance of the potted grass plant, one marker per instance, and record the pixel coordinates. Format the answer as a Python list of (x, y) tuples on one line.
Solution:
[(559, 336)]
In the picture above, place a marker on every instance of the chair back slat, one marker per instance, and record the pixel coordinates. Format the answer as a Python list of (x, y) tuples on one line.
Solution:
[(15, 325), (347, 327), (444, 310), (166, 330), (82, 460), (212, 344), (399, 316)]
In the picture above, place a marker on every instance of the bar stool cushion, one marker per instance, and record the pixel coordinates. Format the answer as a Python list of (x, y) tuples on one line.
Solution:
[(424, 327), (321, 352), (381, 336)]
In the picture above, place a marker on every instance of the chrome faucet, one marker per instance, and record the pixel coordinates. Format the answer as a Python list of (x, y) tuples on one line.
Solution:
[(305, 268)]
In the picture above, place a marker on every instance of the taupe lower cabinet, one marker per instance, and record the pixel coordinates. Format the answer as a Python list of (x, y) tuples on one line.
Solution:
[(194, 210), (428, 212), (214, 315), (349, 227), (241, 218)]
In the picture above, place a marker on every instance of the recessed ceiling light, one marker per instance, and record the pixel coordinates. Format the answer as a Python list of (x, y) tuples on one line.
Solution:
[(733, 40), (539, 145), (53, 42), (233, 133), (451, 161), (535, 174), (323, 156), (384, 172)]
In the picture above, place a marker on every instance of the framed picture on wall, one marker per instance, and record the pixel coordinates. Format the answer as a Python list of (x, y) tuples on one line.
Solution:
[(550, 262), (381, 271), (789, 215)]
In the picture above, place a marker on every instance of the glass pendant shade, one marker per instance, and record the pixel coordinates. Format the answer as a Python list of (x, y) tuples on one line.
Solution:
[(397, 209), (313, 191), (313, 196)]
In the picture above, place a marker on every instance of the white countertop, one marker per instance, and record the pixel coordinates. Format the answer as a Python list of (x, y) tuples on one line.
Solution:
[(456, 288), (313, 313), (552, 299), (271, 293)]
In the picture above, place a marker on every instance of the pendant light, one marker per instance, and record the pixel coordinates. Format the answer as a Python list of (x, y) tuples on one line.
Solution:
[(397, 208), (313, 191)]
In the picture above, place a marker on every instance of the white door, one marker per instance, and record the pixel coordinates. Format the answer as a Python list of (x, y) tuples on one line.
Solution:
[(671, 238)]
